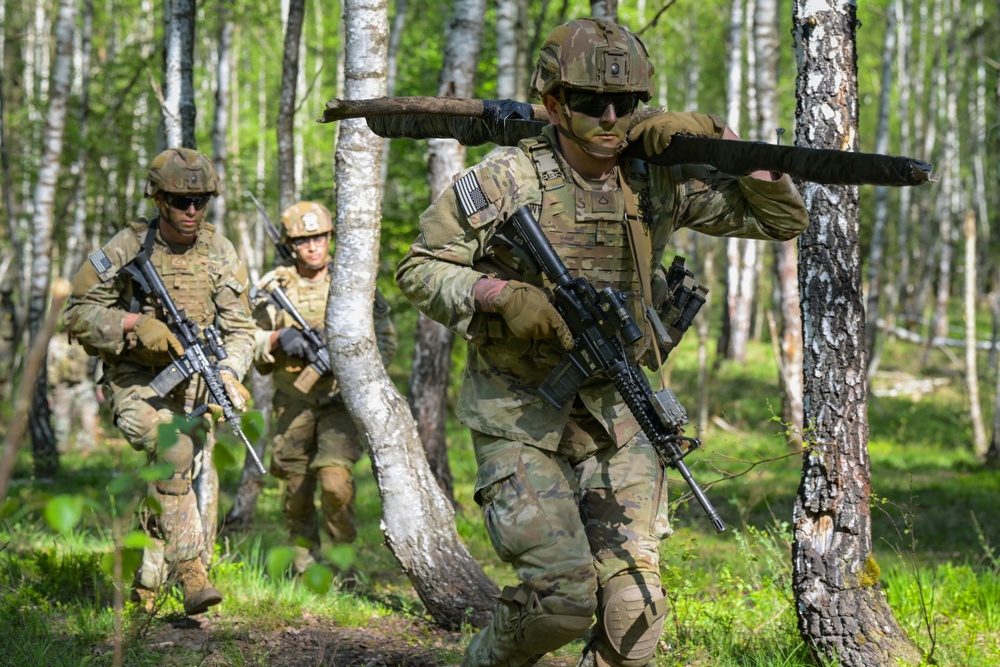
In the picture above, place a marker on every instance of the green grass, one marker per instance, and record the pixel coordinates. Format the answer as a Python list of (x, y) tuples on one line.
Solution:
[(934, 526)]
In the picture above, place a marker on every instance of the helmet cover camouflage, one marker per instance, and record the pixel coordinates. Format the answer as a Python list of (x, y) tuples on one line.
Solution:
[(595, 55), (306, 218), (182, 171)]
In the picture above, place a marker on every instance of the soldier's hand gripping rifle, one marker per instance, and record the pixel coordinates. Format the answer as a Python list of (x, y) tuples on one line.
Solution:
[(197, 351), (319, 360), (602, 328), (319, 357)]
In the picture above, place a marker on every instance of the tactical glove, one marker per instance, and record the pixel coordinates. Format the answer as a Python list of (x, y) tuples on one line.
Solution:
[(527, 310), (238, 394), (294, 343), (156, 336), (655, 133)]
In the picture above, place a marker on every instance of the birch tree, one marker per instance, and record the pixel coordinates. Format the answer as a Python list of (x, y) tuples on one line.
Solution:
[(178, 55), (220, 119), (43, 442), (418, 519), (842, 610), (287, 187), (428, 389), (741, 274), (76, 240)]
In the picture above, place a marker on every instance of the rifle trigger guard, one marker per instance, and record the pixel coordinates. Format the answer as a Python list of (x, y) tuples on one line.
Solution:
[(685, 444)]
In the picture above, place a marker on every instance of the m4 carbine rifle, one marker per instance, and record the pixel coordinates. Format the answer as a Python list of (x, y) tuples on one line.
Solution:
[(196, 351), (319, 359), (602, 329)]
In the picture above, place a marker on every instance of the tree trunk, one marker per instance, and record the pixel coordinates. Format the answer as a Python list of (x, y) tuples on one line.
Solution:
[(876, 255), (240, 515), (286, 107), (43, 441), (430, 376), (178, 54), (220, 119), (980, 445), (418, 520), (993, 453), (842, 611), (604, 9)]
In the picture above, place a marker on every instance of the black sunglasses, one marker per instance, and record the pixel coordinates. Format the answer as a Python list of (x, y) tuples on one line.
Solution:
[(184, 202), (595, 104), (303, 241)]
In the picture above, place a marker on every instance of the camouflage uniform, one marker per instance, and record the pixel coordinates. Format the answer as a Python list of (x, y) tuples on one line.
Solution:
[(573, 498), (74, 394), (209, 283), (315, 439)]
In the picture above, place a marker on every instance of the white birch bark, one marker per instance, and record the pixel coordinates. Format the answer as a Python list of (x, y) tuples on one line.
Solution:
[(177, 105), (980, 444), (76, 241), (876, 254), (43, 442), (418, 520)]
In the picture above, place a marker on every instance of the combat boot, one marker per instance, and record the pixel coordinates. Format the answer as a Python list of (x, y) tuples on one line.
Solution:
[(199, 594), (144, 598)]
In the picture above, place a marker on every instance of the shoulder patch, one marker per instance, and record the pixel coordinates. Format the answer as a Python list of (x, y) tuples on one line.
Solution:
[(99, 260), (470, 193)]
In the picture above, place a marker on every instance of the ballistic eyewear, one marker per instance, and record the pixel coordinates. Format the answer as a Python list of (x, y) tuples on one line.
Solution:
[(595, 104), (184, 202), (303, 241)]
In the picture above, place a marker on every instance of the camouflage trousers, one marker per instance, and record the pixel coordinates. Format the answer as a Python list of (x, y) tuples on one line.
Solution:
[(157, 427), (570, 522), (74, 415), (315, 446)]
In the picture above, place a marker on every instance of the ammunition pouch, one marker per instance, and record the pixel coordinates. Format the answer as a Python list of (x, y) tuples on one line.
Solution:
[(683, 298)]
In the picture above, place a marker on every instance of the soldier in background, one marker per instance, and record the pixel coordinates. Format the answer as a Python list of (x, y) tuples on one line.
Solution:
[(574, 498), (74, 395), (315, 440), (113, 318)]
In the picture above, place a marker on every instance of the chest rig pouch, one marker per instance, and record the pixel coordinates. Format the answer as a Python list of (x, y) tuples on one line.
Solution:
[(190, 278)]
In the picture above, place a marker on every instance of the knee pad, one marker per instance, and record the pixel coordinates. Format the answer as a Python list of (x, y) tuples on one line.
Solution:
[(545, 624), (631, 619), (181, 456), (337, 485)]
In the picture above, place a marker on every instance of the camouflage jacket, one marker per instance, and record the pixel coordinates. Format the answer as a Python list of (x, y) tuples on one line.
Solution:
[(309, 297), (206, 279), (499, 393)]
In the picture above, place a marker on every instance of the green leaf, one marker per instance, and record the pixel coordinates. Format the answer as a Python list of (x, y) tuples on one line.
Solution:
[(138, 540), (8, 507), (222, 456), (341, 556), (253, 424), (278, 560), (121, 484), (63, 512), (166, 436), (318, 578), (157, 471)]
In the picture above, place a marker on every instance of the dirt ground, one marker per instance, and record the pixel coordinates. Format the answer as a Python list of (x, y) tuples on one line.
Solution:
[(317, 643)]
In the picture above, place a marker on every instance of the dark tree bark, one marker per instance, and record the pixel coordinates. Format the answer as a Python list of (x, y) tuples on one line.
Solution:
[(287, 188), (430, 376), (842, 610)]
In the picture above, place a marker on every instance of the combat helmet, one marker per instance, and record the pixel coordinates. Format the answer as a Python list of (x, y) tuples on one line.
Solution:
[(595, 55), (306, 218), (182, 171)]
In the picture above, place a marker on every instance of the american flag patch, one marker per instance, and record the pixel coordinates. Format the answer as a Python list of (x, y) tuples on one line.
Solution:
[(101, 263), (471, 197)]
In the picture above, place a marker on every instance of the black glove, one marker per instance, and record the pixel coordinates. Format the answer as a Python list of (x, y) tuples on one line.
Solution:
[(294, 343)]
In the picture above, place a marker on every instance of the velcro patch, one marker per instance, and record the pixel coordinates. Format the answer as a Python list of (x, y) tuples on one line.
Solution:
[(101, 264), (471, 197)]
